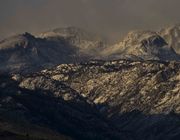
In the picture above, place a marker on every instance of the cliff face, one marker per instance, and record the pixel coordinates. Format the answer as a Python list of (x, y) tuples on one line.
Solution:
[(138, 99)]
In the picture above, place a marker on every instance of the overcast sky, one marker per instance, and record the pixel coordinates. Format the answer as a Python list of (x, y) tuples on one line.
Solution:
[(111, 18)]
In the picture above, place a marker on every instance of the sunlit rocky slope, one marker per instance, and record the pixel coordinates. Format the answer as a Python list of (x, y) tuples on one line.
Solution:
[(120, 99)]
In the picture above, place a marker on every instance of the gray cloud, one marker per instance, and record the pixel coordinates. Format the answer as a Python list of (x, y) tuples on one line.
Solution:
[(111, 18)]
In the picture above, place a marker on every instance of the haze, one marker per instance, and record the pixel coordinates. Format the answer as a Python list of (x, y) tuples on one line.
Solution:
[(110, 18)]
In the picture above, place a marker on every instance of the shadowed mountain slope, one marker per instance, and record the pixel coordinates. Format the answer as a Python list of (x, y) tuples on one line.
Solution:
[(42, 108), (25, 53)]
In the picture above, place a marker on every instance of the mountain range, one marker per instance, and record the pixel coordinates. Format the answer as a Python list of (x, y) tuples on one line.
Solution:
[(27, 53), (69, 84)]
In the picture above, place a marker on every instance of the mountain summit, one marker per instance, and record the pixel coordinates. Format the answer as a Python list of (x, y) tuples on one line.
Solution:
[(26, 53), (144, 45), (172, 35)]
